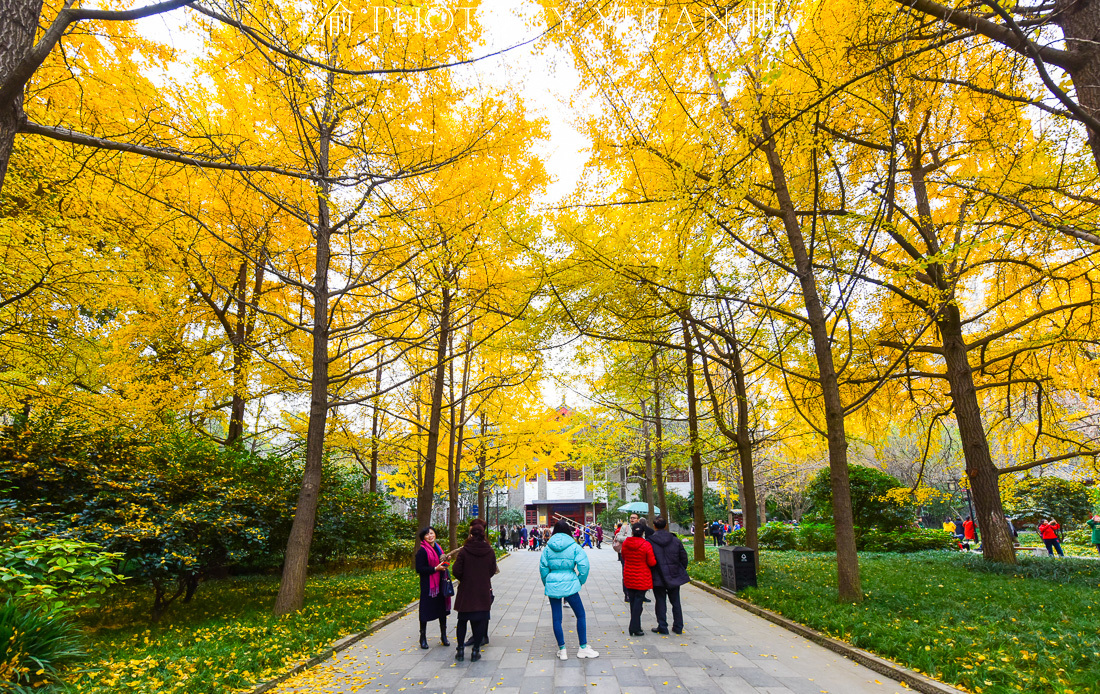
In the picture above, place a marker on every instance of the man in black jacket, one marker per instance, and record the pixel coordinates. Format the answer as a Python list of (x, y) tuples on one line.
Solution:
[(668, 575)]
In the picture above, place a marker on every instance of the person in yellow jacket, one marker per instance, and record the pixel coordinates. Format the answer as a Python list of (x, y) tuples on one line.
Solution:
[(948, 526)]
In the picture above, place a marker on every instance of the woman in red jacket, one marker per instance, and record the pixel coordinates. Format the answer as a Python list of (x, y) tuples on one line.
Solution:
[(1048, 530), (637, 559)]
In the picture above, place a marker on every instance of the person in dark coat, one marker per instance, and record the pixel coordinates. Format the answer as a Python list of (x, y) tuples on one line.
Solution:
[(638, 559), (668, 575), (474, 568), (432, 567)]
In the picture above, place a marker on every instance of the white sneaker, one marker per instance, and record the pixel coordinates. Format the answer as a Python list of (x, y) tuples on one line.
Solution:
[(587, 652), (562, 655)]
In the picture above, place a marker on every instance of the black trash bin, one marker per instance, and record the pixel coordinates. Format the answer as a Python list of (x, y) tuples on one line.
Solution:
[(738, 567)]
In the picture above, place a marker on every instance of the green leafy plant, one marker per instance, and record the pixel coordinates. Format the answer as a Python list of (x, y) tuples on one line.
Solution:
[(35, 644), (57, 573), (872, 504), (778, 536)]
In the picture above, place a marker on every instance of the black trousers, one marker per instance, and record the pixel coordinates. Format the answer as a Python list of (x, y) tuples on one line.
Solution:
[(673, 594), (636, 604), (480, 629)]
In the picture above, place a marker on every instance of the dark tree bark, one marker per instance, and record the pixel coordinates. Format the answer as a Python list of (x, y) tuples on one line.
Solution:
[(426, 496), (18, 23), (696, 456), (848, 581), (375, 428), (740, 434), (648, 484), (659, 453), (292, 588)]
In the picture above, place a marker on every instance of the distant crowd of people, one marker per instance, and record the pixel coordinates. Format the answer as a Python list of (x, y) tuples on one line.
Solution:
[(535, 538)]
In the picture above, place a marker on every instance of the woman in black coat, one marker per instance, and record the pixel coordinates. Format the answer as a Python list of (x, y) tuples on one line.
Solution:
[(474, 568), (432, 567)]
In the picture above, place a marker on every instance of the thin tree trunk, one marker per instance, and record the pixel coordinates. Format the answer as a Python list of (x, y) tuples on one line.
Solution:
[(659, 453), (648, 486), (425, 498), (296, 565), (375, 428), (848, 581), (452, 433), (482, 469), (744, 446), (696, 455)]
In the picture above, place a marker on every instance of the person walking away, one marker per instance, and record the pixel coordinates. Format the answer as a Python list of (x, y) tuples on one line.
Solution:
[(1048, 530), (621, 535), (1094, 524), (564, 568), (599, 536), (474, 568), (435, 605), (638, 559), (715, 532), (668, 575), (587, 537), (523, 536)]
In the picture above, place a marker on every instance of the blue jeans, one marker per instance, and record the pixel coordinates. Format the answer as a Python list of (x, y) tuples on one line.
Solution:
[(574, 601)]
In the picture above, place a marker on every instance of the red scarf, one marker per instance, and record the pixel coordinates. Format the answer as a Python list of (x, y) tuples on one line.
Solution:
[(434, 552)]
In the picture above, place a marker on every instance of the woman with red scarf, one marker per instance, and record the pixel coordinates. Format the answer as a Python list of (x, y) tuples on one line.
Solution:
[(434, 603)]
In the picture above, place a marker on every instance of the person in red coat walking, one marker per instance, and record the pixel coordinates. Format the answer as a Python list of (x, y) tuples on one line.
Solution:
[(638, 559)]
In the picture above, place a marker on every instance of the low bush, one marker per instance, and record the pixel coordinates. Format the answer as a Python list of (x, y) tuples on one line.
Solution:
[(57, 573), (778, 536), (816, 537), (36, 642), (905, 541)]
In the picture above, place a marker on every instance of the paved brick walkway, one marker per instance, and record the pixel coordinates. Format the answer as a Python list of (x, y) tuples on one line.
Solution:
[(723, 649)]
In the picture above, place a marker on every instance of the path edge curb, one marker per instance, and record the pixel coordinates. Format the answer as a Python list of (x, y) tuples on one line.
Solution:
[(341, 644), (913, 680)]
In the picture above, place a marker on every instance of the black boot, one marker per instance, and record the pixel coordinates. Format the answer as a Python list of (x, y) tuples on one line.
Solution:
[(470, 641), (443, 631), (423, 635), (475, 655), (460, 655)]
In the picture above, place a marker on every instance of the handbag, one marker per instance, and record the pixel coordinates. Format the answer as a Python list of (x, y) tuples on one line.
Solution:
[(448, 588)]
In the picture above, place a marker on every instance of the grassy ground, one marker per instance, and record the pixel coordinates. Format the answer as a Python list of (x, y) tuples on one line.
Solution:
[(984, 628), (227, 640)]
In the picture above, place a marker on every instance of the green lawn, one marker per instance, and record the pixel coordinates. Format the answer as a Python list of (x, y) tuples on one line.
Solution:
[(226, 640), (984, 628)]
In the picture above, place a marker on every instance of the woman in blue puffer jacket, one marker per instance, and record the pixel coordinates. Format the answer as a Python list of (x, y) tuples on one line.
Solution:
[(564, 569)]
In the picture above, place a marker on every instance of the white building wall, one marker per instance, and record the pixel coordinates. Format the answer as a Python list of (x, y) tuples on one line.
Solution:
[(565, 490), (530, 491)]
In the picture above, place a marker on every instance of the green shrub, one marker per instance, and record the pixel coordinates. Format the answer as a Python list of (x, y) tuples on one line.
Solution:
[(817, 537), (871, 505), (736, 537), (903, 541), (57, 572), (1080, 536), (778, 536), (35, 644), (1034, 498)]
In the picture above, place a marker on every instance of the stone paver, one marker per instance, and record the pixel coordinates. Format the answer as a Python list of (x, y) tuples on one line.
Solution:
[(723, 649)]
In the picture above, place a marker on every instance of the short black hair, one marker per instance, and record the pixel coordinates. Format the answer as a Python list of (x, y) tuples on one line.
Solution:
[(562, 526), (660, 523), (638, 529)]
